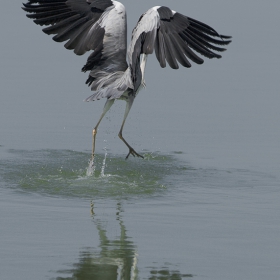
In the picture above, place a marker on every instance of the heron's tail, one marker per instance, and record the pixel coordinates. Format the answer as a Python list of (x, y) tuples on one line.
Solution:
[(115, 89), (109, 93)]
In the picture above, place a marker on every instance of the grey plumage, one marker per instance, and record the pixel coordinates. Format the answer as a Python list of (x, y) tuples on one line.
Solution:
[(100, 26)]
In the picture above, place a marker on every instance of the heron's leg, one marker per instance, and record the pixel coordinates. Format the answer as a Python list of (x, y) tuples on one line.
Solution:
[(107, 106), (129, 103)]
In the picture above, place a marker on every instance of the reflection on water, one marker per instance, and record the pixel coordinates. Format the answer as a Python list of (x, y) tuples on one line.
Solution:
[(115, 258)]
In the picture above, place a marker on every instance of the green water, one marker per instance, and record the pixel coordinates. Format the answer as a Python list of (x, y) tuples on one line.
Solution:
[(64, 173)]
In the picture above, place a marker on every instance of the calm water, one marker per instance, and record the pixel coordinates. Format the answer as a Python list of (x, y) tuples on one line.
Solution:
[(204, 202)]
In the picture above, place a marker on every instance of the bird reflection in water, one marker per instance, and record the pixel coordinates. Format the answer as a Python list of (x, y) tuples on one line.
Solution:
[(116, 259)]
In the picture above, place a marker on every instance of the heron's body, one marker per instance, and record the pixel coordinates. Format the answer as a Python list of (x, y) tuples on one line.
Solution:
[(115, 70)]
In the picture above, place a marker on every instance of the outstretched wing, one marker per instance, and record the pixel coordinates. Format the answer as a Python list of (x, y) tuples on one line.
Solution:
[(98, 25), (174, 37)]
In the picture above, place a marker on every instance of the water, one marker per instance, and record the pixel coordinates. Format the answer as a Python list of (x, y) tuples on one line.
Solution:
[(204, 201), (157, 218)]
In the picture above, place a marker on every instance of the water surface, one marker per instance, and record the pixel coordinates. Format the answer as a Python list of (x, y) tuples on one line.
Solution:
[(204, 201)]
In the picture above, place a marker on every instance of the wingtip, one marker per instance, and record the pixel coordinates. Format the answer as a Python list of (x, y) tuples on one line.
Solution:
[(25, 6), (225, 39)]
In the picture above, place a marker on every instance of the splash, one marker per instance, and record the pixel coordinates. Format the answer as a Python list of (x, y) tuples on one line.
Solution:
[(104, 163), (91, 168), (69, 173)]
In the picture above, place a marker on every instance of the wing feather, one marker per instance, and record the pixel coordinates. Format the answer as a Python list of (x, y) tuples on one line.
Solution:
[(179, 50), (67, 18), (177, 38), (160, 50), (85, 25), (170, 53)]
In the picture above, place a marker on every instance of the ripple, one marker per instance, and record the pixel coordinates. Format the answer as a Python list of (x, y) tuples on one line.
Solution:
[(64, 173)]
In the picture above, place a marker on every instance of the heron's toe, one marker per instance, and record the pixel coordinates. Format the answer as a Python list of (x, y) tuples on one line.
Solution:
[(132, 151)]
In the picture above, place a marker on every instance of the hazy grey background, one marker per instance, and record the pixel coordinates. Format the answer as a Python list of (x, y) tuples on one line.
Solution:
[(205, 201)]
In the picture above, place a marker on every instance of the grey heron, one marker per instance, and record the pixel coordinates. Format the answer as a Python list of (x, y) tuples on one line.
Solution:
[(115, 71)]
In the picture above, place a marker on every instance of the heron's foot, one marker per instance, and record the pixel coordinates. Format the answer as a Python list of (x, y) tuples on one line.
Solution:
[(132, 151)]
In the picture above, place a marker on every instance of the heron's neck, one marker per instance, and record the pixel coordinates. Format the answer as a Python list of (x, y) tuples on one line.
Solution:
[(142, 67)]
